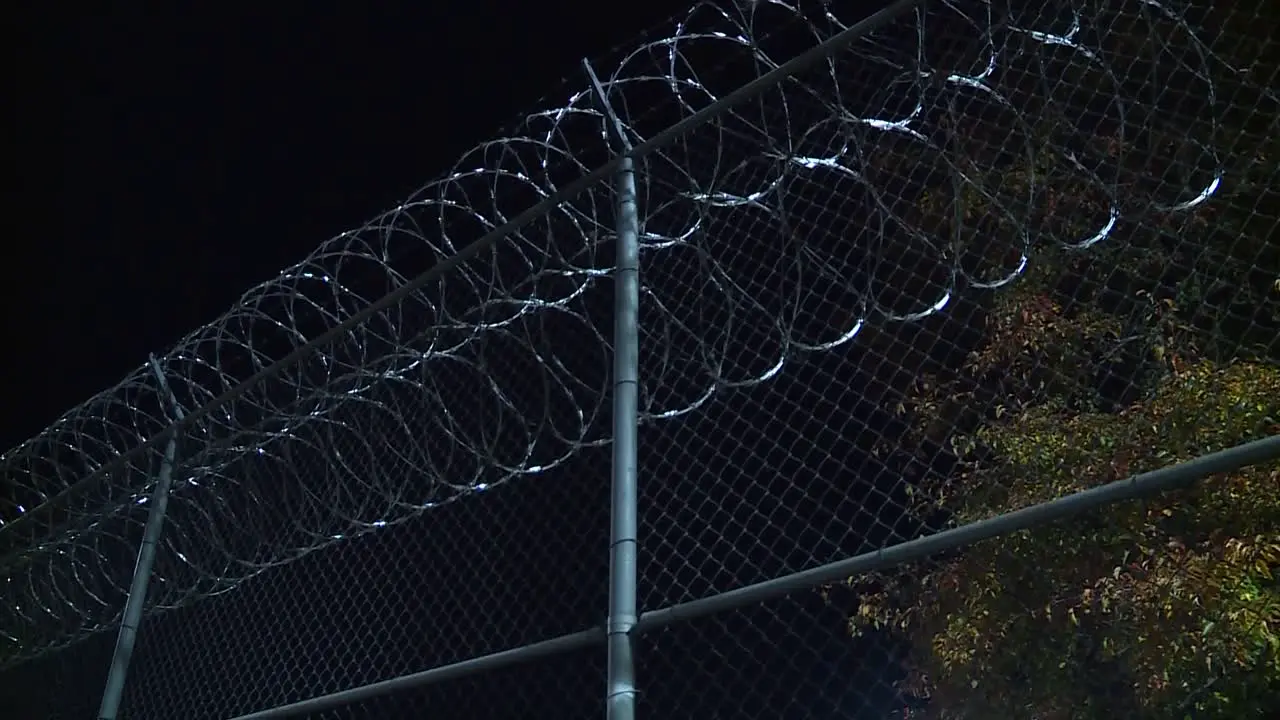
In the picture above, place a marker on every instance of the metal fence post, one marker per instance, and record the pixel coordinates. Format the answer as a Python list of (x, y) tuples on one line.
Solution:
[(142, 569), (623, 612)]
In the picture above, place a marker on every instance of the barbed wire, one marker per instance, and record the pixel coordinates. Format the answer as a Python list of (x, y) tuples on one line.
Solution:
[(500, 370)]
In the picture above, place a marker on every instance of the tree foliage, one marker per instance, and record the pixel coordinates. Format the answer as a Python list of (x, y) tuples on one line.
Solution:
[(1107, 359), (1143, 603)]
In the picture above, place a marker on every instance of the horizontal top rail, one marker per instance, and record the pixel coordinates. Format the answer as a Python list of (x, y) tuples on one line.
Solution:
[(1144, 485), (750, 90)]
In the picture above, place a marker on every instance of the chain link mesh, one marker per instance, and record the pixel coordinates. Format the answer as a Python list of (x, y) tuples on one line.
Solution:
[(987, 255), (1009, 253)]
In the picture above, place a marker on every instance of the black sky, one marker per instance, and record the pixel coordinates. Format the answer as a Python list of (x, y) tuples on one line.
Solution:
[(172, 156)]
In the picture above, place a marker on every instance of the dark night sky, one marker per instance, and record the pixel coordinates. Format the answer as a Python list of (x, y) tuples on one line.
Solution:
[(179, 155)]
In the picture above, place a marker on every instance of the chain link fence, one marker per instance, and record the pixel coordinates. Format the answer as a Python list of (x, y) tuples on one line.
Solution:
[(959, 391)]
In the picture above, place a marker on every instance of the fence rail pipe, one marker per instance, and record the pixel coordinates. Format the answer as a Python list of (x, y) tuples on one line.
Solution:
[(1148, 484), (1173, 477)]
